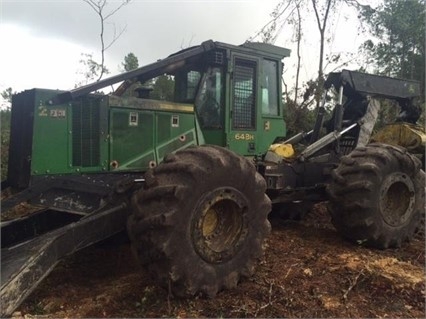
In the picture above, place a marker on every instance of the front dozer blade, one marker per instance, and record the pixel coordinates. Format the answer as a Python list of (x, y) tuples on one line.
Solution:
[(27, 258)]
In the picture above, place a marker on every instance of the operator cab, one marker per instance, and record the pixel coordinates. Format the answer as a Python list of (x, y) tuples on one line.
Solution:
[(235, 92)]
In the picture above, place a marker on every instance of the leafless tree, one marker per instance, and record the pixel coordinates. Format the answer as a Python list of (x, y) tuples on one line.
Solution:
[(322, 20), (298, 40), (99, 6)]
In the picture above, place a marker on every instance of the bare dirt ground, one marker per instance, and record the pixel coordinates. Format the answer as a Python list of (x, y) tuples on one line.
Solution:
[(308, 271)]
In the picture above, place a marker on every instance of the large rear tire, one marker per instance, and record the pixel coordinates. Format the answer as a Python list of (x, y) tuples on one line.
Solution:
[(201, 220), (377, 196)]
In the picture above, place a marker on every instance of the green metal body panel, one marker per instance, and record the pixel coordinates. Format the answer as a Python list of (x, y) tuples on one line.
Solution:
[(132, 144), (92, 133), (50, 147), (143, 143), (214, 137), (69, 138), (142, 132)]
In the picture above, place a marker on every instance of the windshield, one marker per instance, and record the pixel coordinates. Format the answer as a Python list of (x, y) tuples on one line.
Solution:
[(179, 85), (209, 101), (187, 82)]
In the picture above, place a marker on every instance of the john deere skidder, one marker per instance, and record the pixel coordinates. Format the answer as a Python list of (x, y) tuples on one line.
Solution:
[(191, 173)]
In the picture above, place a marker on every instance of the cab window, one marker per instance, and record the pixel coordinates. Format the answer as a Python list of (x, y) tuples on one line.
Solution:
[(210, 99), (187, 82), (270, 88)]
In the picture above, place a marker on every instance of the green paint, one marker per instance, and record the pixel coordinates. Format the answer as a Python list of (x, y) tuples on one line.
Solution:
[(50, 140), (140, 138), (238, 105), (69, 138), (131, 138), (183, 141)]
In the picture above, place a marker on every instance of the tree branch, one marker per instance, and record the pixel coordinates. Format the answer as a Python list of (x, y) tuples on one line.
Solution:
[(326, 14), (314, 4), (116, 37), (125, 2), (98, 6)]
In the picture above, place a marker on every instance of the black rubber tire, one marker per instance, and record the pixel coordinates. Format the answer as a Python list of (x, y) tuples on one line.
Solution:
[(201, 221), (377, 196), (295, 211)]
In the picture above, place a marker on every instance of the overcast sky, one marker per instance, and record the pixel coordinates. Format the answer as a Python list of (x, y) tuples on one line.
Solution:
[(42, 41)]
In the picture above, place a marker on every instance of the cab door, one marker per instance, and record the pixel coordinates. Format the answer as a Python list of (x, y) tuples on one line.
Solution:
[(271, 121), (210, 106), (242, 137)]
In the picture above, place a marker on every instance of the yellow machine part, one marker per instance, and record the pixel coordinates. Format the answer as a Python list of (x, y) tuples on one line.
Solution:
[(410, 136), (283, 150)]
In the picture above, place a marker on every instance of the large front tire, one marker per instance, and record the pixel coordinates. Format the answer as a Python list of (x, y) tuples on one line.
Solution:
[(201, 220), (377, 196)]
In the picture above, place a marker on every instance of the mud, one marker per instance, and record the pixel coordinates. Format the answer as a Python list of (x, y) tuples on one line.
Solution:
[(308, 271)]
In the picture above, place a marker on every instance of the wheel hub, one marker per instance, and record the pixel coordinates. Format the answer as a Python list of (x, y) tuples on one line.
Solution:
[(220, 225), (397, 199)]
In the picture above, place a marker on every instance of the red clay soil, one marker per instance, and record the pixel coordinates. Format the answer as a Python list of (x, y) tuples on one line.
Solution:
[(308, 272)]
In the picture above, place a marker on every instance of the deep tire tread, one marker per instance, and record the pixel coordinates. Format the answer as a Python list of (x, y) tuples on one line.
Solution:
[(355, 192), (158, 226)]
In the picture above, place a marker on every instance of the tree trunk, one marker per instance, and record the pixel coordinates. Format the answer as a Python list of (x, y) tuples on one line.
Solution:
[(299, 38)]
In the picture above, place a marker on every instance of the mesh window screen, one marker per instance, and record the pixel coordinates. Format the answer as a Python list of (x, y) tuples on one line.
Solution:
[(193, 78), (86, 132), (244, 94)]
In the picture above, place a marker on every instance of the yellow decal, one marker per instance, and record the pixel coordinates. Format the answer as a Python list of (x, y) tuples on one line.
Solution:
[(267, 125), (176, 107), (42, 110), (244, 137)]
